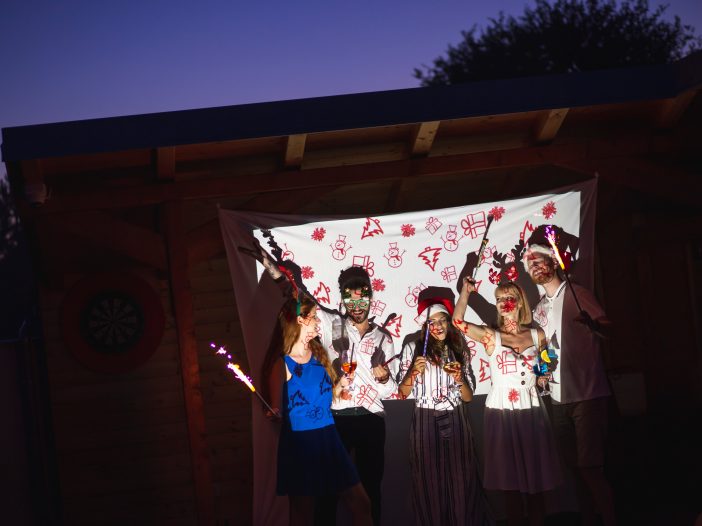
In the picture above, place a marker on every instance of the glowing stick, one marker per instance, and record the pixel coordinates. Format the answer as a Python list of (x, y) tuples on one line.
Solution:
[(551, 236), (234, 367), (483, 244)]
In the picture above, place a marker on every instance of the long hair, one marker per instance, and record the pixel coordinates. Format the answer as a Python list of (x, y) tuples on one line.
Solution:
[(285, 333), (454, 341), (290, 330), (524, 308), (434, 347)]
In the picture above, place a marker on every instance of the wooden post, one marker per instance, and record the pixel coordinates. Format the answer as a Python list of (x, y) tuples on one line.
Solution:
[(182, 302)]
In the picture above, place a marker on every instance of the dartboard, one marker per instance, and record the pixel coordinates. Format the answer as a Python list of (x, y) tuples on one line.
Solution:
[(112, 322)]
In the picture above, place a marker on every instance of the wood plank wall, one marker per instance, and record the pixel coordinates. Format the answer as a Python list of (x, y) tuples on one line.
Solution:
[(122, 440)]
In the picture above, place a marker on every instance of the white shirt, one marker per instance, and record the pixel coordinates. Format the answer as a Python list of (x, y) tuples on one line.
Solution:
[(367, 392)]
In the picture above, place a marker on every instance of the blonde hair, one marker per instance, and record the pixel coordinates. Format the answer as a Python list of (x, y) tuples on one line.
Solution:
[(522, 303)]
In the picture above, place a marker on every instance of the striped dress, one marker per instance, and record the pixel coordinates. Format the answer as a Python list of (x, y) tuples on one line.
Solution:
[(446, 487)]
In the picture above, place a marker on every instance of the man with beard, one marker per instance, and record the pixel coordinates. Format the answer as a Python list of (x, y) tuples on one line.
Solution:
[(579, 386), (358, 348)]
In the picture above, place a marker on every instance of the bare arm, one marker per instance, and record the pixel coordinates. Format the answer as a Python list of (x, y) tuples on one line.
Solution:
[(479, 333)]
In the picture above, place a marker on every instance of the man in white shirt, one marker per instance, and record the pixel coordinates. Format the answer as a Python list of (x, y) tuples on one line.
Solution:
[(579, 386), (359, 412)]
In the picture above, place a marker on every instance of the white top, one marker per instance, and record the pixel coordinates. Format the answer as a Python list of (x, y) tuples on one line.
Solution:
[(435, 389), (367, 392), (513, 379)]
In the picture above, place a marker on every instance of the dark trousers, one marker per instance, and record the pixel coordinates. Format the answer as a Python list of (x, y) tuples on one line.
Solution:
[(363, 434)]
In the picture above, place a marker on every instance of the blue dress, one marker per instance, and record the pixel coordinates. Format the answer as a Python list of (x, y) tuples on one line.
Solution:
[(312, 459)]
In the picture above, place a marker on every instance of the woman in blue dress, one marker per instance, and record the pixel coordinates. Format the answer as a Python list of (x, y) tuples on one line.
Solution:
[(312, 460)]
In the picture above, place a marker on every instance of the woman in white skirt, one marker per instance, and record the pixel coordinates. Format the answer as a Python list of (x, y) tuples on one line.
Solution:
[(520, 452)]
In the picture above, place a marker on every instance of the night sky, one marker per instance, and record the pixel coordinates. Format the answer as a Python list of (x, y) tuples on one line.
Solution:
[(70, 60)]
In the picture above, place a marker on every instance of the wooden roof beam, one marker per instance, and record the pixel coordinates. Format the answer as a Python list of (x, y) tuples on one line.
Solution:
[(548, 125), (673, 109), (423, 138), (295, 150), (217, 186)]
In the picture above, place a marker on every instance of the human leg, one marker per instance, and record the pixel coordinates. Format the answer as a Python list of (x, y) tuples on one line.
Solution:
[(357, 502), (301, 510), (368, 439), (590, 422)]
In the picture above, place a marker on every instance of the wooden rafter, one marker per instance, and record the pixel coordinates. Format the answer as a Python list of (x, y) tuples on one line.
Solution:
[(548, 125), (181, 298), (217, 186), (295, 149), (423, 138)]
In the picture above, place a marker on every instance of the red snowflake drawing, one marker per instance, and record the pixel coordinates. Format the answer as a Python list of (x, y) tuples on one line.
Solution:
[(378, 285), (318, 233), (513, 396), (497, 212), (549, 210), (307, 272), (407, 230)]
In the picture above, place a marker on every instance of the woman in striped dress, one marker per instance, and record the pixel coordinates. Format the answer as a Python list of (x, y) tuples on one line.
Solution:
[(436, 372)]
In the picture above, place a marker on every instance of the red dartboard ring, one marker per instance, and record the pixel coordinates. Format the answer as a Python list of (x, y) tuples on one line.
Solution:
[(112, 323)]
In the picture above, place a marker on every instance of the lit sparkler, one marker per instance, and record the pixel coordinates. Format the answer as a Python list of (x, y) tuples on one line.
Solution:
[(234, 367), (551, 237)]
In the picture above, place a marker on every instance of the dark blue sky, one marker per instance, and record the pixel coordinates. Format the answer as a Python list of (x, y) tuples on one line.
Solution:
[(68, 60)]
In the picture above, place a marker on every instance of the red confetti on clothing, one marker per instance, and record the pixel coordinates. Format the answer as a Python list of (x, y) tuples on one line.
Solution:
[(307, 272), (497, 212), (513, 396), (318, 233), (407, 230), (549, 210), (378, 285)]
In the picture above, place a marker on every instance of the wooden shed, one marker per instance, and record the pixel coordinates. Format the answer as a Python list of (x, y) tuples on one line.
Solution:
[(142, 425)]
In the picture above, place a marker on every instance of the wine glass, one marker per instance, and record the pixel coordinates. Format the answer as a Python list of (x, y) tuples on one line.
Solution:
[(546, 361), (451, 366), (348, 365)]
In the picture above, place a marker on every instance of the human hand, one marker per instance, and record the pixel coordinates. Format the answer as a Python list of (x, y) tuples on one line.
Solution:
[(419, 365), (381, 373), (275, 415), (468, 285), (594, 326)]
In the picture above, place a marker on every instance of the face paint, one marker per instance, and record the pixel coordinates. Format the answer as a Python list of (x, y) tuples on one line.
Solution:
[(438, 325), (357, 303), (541, 268)]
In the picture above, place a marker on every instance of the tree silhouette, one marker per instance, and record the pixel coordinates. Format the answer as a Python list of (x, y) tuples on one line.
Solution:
[(563, 37)]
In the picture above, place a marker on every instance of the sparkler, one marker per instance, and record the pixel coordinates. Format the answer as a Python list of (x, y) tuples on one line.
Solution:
[(551, 237), (234, 367), (483, 244)]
